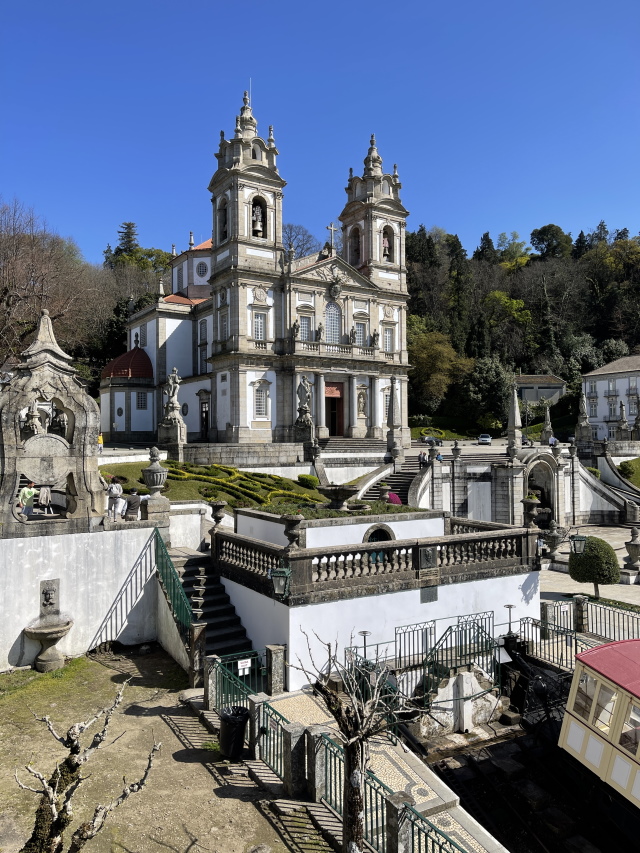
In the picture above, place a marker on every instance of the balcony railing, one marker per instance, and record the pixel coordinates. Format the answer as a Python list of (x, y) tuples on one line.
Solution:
[(343, 350), (406, 563)]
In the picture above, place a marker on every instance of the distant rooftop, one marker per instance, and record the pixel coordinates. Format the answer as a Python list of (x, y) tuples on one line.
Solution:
[(538, 379), (619, 662), (628, 364), (134, 364)]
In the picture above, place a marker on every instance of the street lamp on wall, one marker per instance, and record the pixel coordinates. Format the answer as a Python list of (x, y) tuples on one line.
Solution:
[(281, 580), (578, 543)]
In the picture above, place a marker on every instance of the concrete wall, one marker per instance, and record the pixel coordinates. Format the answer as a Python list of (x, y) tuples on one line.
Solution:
[(168, 635), (268, 621), (106, 586), (334, 535), (189, 525), (178, 345)]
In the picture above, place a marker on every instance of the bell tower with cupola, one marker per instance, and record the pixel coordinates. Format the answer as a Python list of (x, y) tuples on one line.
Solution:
[(246, 195), (373, 224)]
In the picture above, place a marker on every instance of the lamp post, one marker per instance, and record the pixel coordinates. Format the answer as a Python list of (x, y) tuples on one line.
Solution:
[(364, 635), (510, 607), (578, 543), (281, 580)]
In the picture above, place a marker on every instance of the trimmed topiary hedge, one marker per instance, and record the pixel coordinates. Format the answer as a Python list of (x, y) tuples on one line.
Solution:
[(598, 564), (308, 481)]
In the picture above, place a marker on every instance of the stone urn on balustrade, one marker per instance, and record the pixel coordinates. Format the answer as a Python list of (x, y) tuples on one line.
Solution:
[(292, 530), (633, 549), (531, 506), (338, 495), (155, 476)]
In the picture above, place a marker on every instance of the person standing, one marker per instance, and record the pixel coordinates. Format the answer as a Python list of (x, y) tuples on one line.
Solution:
[(114, 493), (25, 498), (100, 443), (133, 506)]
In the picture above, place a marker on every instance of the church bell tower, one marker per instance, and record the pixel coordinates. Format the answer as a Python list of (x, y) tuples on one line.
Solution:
[(373, 224), (246, 195)]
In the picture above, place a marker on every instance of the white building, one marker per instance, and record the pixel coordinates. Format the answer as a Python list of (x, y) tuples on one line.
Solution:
[(605, 389)]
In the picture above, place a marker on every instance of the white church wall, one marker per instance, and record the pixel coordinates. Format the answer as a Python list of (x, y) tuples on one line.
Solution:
[(107, 587), (178, 345), (189, 395), (223, 399), (382, 614), (189, 524), (349, 534), (105, 423), (119, 405), (141, 419), (261, 528)]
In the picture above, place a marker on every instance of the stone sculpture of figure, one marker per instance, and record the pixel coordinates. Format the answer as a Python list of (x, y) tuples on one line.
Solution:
[(375, 337), (385, 246), (583, 407), (171, 390), (296, 328), (34, 424), (352, 335), (362, 402), (256, 218), (319, 332), (304, 393), (48, 598)]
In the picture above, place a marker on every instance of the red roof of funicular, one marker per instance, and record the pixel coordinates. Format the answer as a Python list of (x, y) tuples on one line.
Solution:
[(619, 662), (134, 364)]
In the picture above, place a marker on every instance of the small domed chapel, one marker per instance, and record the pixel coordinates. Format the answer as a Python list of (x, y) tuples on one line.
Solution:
[(246, 320)]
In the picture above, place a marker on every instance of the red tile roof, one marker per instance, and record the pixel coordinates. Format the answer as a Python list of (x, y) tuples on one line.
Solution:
[(134, 364), (177, 299), (205, 245), (619, 662)]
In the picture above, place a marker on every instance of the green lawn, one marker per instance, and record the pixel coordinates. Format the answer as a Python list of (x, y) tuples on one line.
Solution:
[(635, 478)]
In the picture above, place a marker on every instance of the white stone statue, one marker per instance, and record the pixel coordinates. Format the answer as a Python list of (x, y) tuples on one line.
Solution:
[(304, 393)]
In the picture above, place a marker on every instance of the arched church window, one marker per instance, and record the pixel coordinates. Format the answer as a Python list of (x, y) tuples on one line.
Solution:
[(386, 189), (387, 244), (223, 221), (256, 153), (354, 247), (258, 218), (333, 322)]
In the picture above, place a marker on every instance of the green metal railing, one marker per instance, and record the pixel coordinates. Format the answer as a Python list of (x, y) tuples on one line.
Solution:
[(427, 838), (228, 688), (170, 580), (271, 738), (254, 677), (463, 645), (375, 794), (552, 643)]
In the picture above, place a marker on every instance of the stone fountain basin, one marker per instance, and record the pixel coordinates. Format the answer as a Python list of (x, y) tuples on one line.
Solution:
[(53, 631)]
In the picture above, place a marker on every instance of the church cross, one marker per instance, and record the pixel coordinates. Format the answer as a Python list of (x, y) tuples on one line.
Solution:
[(331, 228)]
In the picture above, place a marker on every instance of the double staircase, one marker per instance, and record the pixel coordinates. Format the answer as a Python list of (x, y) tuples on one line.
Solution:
[(210, 603), (398, 482)]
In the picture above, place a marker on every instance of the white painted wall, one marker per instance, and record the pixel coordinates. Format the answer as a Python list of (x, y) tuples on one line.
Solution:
[(179, 345), (265, 619), (106, 586), (479, 496), (262, 528), (141, 419), (223, 403), (349, 534), (105, 420), (189, 395), (189, 525), (119, 402)]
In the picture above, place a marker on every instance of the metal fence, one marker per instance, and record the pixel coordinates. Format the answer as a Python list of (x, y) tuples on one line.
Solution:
[(484, 619), (561, 613), (172, 585), (552, 643), (425, 837), (271, 738), (228, 688), (375, 793), (612, 623), (463, 645), (413, 642), (249, 667)]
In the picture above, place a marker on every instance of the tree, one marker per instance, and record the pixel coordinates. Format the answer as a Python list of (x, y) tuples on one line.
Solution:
[(551, 242), (486, 251), (368, 706), (435, 365), (303, 241), (598, 564), (39, 269), (128, 242), (580, 246), (487, 390), (512, 249), (55, 810)]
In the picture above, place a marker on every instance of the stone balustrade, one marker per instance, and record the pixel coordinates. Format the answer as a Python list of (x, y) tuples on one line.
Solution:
[(322, 574)]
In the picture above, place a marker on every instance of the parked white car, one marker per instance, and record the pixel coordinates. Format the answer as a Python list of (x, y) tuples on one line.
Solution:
[(485, 438)]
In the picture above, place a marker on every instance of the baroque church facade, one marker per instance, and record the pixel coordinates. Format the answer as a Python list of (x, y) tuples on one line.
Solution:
[(245, 320)]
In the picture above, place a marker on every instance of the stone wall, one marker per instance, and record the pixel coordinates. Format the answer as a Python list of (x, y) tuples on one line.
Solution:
[(107, 587)]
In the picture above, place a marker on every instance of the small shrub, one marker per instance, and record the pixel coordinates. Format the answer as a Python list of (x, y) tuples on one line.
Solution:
[(593, 471), (308, 481), (625, 469)]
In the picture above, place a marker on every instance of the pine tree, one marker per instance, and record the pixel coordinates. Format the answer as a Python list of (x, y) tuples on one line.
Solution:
[(580, 246), (486, 251), (128, 242)]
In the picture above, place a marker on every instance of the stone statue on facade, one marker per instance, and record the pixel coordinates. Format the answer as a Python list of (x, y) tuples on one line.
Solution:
[(319, 332), (352, 335), (171, 389), (362, 402), (375, 338), (172, 429), (304, 393), (304, 422), (295, 329)]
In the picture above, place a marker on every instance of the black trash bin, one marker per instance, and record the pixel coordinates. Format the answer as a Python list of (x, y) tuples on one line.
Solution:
[(233, 724)]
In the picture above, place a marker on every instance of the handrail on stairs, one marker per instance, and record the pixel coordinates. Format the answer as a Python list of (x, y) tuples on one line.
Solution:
[(172, 585)]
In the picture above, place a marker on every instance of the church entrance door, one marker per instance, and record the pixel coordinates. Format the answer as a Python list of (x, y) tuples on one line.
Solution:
[(204, 419), (334, 407)]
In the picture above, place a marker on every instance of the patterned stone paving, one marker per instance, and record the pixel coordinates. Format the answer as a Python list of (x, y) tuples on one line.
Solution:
[(302, 707)]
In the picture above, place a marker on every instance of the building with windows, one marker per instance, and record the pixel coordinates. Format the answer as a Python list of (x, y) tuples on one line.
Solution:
[(245, 319), (605, 389)]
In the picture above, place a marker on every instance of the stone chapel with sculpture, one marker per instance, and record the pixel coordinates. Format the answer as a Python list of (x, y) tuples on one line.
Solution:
[(246, 324)]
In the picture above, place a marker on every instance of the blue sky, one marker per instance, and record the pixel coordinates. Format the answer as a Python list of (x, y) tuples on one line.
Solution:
[(501, 116)]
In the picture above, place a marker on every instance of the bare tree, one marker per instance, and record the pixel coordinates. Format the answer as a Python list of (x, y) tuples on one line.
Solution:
[(303, 242), (370, 704), (55, 810)]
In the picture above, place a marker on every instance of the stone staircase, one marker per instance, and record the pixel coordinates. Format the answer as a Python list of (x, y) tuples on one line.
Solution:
[(225, 633), (398, 482), (339, 451)]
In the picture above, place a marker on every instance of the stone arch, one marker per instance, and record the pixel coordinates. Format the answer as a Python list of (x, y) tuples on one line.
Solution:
[(379, 533), (541, 479), (258, 217)]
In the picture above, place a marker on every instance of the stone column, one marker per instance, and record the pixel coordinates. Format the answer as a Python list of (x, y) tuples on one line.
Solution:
[(293, 755), (321, 425), (580, 613), (398, 831), (315, 761), (210, 695), (275, 670), (255, 714), (375, 430), (197, 646), (353, 406), (436, 480)]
